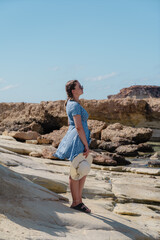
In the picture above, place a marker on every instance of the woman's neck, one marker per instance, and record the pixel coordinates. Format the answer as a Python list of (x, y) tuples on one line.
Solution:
[(76, 99)]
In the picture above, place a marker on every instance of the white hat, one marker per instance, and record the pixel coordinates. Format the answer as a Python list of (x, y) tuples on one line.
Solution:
[(80, 166)]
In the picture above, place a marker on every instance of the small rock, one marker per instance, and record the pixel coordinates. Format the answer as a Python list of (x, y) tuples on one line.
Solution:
[(109, 159), (154, 163), (32, 141), (22, 136), (48, 152), (128, 150), (156, 156), (35, 154)]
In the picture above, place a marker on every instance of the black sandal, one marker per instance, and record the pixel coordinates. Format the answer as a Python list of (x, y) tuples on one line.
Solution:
[(82, 207)]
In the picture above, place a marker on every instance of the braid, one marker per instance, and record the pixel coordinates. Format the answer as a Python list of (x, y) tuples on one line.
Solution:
[(70, 85)]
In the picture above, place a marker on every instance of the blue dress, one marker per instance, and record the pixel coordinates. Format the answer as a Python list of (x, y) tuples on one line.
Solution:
[(71, 144)]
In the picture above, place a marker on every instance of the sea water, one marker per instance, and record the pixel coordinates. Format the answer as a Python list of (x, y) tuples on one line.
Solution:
[(139, 162)]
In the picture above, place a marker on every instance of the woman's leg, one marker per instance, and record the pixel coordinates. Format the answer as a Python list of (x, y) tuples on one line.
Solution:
[(74, 187), (81, 185)]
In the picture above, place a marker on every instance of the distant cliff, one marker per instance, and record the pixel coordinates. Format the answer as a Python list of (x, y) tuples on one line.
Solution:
[(138, 92)]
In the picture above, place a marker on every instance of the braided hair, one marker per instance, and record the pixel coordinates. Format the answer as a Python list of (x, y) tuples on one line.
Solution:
[(70, 85)]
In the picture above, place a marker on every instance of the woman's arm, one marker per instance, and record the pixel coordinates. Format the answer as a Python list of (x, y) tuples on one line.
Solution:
[(81, 132)]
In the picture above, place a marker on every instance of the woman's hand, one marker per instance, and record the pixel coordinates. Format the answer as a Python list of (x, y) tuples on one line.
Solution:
[(86, 151)]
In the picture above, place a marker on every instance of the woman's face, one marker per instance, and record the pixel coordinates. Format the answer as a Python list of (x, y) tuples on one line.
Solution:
[(78, 89)]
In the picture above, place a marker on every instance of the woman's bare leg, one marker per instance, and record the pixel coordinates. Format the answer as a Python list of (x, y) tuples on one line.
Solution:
[(81, 185), (74, 187)]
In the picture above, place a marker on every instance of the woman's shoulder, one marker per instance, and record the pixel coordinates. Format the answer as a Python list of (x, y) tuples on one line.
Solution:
[(72, 103), (73, 107)]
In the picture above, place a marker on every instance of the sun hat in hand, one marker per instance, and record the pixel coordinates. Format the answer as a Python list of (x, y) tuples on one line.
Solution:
[(80, 166)]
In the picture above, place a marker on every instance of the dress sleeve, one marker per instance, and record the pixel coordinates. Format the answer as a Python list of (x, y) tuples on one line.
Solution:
[(76, 109)]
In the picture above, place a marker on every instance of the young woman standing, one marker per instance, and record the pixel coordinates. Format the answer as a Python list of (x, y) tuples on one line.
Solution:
[(76, 140)]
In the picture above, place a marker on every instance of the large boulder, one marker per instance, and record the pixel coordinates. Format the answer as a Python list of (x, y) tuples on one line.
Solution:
[(96, 127), (128, 150), (21, 135), (109, 159), (136, 135)]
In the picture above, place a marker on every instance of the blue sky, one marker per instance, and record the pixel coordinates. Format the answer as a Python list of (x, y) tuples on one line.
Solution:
[(105, 44)]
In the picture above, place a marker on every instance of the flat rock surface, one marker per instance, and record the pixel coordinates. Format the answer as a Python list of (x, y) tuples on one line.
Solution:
[(125, 201)]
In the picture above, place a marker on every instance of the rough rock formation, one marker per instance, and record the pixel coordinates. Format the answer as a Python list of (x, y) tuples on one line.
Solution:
[(117, 130), (138, 92), (42, 118), (48, 116)]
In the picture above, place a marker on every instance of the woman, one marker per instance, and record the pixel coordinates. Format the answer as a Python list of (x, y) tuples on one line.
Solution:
[(76, 140)]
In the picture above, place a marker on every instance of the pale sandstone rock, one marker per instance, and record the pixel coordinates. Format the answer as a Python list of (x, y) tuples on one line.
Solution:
[(140, 170), (31, 205), (98, 185), (32, 141), (141, 213), (35, 154), (155, 156), (56, 186), (13, 185), (131, 189), (147, 171), (19, 147), (7, 137), (137, 209)]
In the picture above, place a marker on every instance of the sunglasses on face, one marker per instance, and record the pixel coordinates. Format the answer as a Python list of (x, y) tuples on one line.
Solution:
[(80, 86)]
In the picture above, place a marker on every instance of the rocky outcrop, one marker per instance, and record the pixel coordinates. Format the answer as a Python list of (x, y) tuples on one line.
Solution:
[(42, 118), (48, 116), (138, 92), (115, 138), (121, 133)]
